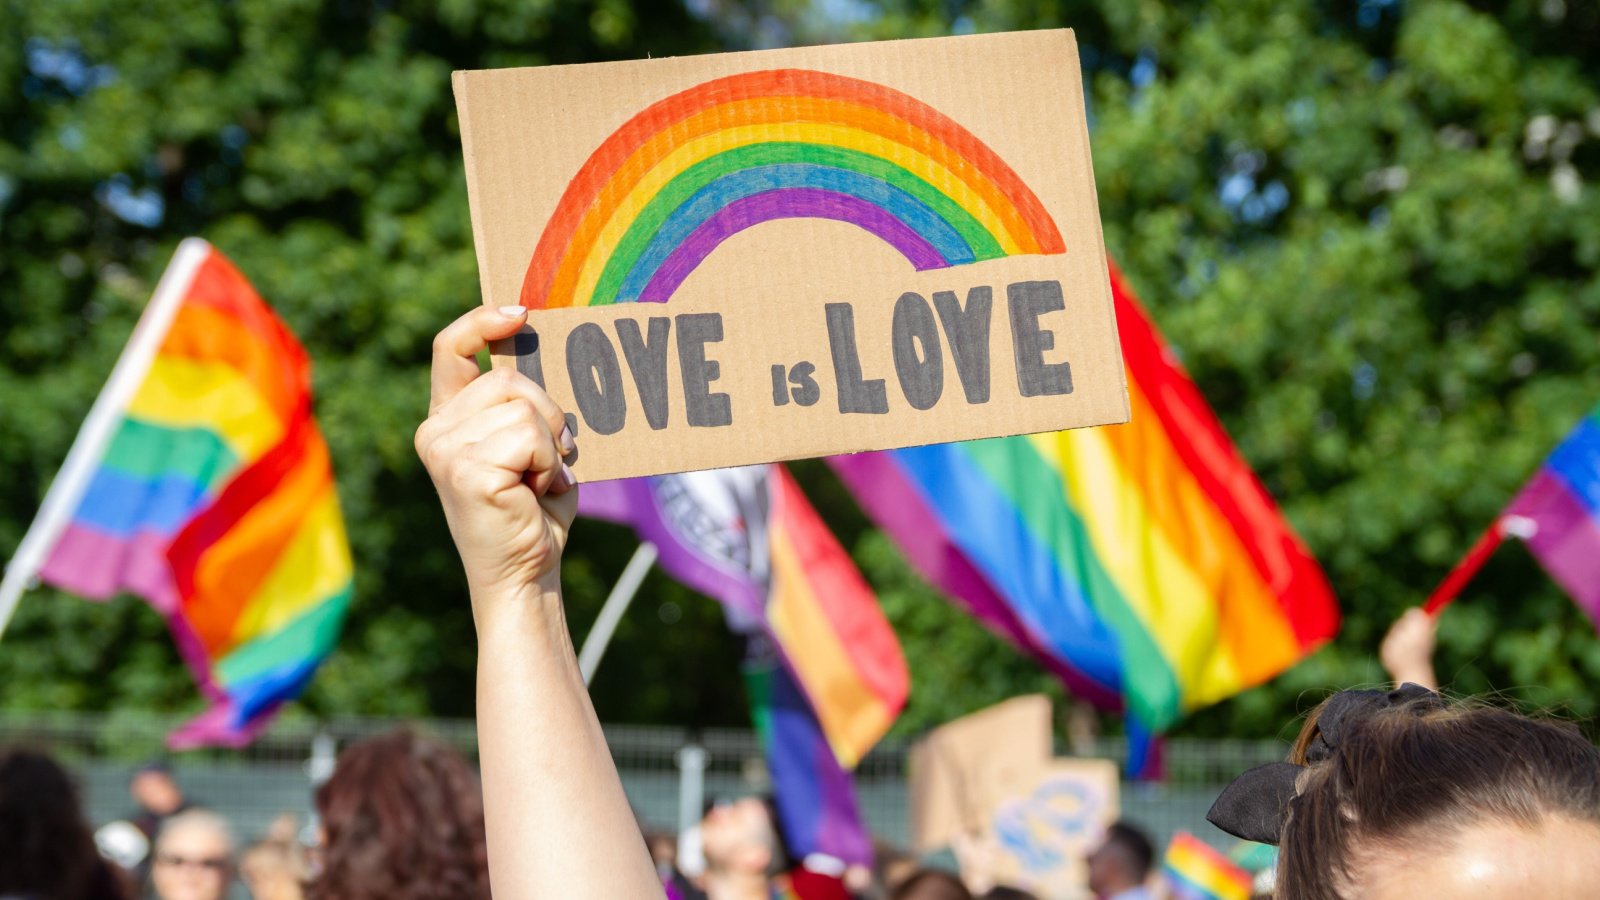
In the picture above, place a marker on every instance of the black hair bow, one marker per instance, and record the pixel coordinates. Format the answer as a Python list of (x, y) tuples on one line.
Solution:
[(1255, 805)]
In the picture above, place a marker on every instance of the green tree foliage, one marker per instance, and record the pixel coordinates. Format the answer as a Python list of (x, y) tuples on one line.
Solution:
[(1370, 227)]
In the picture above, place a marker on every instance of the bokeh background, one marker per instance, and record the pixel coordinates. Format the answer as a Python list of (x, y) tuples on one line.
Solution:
[(1371, 228)]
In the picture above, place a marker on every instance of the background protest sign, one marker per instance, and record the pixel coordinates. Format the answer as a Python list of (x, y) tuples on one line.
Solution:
[(864, 246), (963, 770), (1041, 837)]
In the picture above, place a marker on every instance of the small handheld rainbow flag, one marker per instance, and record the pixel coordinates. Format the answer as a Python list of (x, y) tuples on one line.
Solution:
[(200, 482), (1143, 563), (1196, 871), (1557, 514)]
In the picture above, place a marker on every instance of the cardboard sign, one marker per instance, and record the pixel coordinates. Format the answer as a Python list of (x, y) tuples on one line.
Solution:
[(750, 257), (962, 771), (1042, 836)]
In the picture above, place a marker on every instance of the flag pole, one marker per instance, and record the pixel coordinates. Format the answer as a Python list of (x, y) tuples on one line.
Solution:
[(1469, 565), (61, 500), (599, 636)]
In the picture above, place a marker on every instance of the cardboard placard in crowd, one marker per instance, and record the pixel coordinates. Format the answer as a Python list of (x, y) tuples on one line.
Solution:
[(1041, 837), (838, 249), (962, 771)]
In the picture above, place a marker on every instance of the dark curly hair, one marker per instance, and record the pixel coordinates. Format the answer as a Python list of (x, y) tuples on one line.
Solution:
[(50, 850), (403, 819)]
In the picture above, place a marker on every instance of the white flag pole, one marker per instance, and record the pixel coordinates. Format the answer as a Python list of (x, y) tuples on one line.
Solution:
[(61, 501), (594, 643)]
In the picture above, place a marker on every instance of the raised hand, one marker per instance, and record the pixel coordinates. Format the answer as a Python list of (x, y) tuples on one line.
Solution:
[(493, 444)]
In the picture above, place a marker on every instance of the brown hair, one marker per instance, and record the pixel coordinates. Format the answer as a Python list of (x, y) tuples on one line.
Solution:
[(1417, 771), (403, 819), (50, 850), (931, 884)]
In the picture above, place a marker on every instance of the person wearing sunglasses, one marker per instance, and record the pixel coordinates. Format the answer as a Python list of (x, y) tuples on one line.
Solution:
[(193, 859)]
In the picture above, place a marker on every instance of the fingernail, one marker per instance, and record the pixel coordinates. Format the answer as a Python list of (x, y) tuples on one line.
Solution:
[(512, 312), (568, 445), (566, 476)]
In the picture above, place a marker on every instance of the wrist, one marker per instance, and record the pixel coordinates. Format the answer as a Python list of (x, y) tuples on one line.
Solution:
[(503, 608)]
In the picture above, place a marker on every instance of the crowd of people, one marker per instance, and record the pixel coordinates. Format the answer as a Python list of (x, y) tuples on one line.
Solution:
[(402, 817), (1386, 794)]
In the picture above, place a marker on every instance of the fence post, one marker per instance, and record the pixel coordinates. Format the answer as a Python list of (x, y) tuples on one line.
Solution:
[(319, 768), (691, 786)]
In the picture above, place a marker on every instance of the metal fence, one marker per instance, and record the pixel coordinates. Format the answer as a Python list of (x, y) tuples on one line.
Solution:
[(275, 774)]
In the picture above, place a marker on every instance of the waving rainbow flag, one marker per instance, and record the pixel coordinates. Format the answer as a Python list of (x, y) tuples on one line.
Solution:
[(824, 670), (1143, 562), (200, 482)]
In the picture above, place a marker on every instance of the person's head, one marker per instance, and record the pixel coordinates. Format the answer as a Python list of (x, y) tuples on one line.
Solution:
[(402, 818), (743, 837), (931, 884), (50, 850), (274, 869), (1122, 860), (1404, 795), (153, 788), (193, 858)]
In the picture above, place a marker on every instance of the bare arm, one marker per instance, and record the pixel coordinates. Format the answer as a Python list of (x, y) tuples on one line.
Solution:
[(558, 822)]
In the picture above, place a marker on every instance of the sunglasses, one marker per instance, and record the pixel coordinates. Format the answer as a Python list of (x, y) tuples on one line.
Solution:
[(209, 863)]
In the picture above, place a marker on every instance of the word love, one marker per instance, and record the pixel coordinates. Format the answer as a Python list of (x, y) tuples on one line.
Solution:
[(918, 349), (934, 342)]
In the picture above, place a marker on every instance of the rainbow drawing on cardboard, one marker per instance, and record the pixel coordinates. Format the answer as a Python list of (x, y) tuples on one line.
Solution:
[(702, 165)]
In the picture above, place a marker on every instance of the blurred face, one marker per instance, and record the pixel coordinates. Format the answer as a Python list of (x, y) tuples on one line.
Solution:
[(156, 792), (269, 879), (738, 836), (1107, 874), (1558, 860), (191, 863)]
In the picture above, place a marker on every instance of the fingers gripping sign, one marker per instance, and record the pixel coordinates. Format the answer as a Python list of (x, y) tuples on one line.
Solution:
[(494, 445)]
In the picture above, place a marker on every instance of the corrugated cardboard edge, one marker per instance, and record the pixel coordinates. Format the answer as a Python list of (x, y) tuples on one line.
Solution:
[(458, 87), (1099, 233)]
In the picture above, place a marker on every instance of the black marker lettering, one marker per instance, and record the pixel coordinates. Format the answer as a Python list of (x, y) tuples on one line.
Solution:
[(921, 379), (647, 358), (856, 395), (596, 379), (780, 390), (525, 349), (968, 332), (806, 392), (705, 408), (1029, 300)]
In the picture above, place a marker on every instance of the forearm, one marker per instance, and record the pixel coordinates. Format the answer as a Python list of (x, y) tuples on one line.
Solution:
[(558, 822)]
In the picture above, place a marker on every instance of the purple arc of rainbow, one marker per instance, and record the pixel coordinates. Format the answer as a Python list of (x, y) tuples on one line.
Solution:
[(787, 203)]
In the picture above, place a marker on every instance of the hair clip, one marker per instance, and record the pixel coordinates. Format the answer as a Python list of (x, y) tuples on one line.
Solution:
[(1255, 806)]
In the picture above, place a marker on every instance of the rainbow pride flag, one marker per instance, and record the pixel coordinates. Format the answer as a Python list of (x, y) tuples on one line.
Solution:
[(1557, 514), (1143, 562), (1196, 871), (200, 482), (815, 795), (825, 671)]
